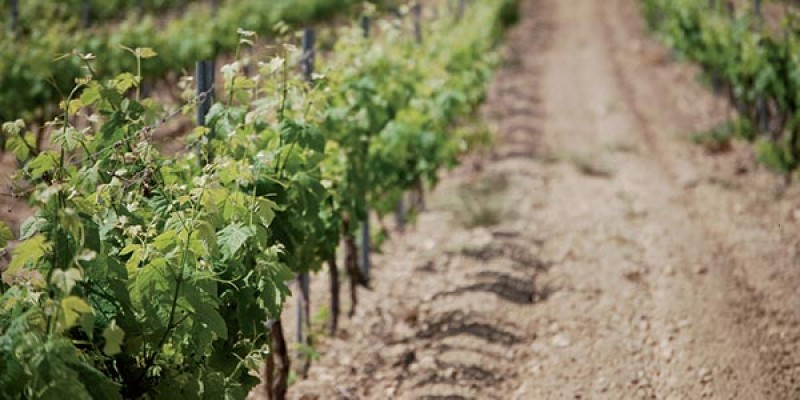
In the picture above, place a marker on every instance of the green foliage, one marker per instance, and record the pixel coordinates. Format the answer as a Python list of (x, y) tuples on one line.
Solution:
[(718, 139), (757, 67), (32, 73), (35, 14), (509, 12), (151, 276)]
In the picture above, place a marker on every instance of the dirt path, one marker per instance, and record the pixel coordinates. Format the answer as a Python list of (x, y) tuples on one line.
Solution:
[(596, 254)]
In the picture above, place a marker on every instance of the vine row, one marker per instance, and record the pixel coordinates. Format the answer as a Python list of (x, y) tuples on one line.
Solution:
[(143, 275)]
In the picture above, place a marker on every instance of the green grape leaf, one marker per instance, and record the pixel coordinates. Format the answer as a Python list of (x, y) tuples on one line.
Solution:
[(43, 163), (68, 138), (233, 237), (265, 209), (303, 135), (31, 226), (19, 147), (145, 52), (204, 240), (91, 94), (205, 311), (66, 279), (5, 234), (166, 241), (77, 312), (113, 336), (28, 252), (125, 81)]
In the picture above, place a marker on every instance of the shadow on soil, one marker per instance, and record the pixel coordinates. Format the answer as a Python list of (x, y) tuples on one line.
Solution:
[(504, 286), (520, 255), (451, 373), (456, 323)]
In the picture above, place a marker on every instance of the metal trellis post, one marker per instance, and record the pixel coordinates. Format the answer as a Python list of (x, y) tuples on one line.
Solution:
[(462, 5), (304, 280), (14, 6), (204, 76), (417, 13), (85, 13), (365, 261)]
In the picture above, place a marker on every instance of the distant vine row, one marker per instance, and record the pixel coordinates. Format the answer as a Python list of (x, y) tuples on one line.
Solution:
[(756, 68)]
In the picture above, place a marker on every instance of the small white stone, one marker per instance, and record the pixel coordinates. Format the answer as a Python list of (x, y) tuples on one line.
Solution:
[(667, 353), (704, 374), (561, 340)]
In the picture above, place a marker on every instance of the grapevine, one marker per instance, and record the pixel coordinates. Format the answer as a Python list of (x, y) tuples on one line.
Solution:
[(143, 275), (754, 65)]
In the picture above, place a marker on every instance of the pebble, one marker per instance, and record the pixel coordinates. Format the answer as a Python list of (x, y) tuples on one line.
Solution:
[(602, 384), (539, 348), (667, 353), (704, 374), (701, 270), (522, 392), (535, 368), (561, 341)]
